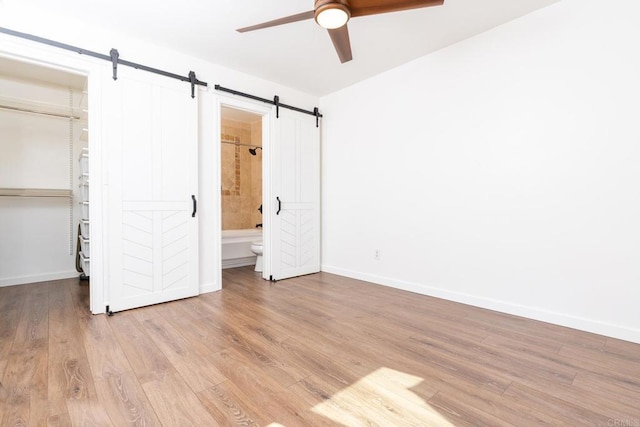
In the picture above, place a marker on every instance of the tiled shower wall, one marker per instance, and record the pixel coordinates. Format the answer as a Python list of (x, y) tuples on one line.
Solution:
[(241, 175)]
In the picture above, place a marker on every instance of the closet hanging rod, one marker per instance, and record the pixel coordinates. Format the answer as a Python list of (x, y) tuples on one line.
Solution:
[(42, 113), (239, 143), (35, 192)]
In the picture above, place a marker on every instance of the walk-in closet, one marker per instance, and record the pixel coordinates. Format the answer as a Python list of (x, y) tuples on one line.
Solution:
[(44, 175)]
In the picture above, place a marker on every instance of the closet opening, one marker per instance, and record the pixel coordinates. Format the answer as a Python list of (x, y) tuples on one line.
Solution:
[(44, 175), (241, 154)]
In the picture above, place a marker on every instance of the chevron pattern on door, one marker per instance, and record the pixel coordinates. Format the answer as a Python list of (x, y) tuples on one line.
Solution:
[(137, 252), (153, 181), (288, 239), (308, 243), (297, 238), (295, 168), (175, 249)]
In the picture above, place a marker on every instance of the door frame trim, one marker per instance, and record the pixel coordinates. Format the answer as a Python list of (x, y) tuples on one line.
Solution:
[(268, 116), (51, 57)]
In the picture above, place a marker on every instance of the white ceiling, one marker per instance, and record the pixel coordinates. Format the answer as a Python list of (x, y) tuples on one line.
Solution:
[(298, 55)]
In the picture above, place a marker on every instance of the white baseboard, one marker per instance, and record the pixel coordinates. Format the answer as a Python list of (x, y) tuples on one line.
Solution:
[(238, 262), (536, 313), (35, 278)]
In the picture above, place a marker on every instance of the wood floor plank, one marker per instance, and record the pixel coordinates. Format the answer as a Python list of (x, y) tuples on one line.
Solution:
[(628, 366), (21, 389), (468, 325), (626, 392), (357, 358), (118, 389), (436, 377), (497, 364), (87, 413), (460, 413), (11, 304), (314, 394), (407, 322), (175, 403), (589, 399), (466, 368), (187, 356), (229, 405), (470, 406), (33, 328), (261, 343), (342, 405), (275, 320), (275, 401), (496, 322), (319, 350), (580, 365), (25, 379), (621, 348), (504, 324), (199, 335), (565, 413), (69, 373), (145, 358)]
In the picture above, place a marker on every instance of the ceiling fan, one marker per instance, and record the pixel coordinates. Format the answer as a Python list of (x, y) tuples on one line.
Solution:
[(334, 14)]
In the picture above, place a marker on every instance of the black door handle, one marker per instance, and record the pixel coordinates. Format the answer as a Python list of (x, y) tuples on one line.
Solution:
[(195, 206), (279, 206)]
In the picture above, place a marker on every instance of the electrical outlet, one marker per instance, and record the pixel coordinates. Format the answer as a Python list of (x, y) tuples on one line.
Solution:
[(376, 255)]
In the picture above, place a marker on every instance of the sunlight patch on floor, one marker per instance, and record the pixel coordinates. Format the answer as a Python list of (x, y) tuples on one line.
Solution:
[(382, 397)]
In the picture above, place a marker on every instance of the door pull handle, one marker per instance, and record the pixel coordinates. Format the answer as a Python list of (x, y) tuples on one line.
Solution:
[(279, 205), (195, 205)]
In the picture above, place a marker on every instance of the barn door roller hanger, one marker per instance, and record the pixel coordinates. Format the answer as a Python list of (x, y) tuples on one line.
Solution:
[(275, 101), (113, 57)]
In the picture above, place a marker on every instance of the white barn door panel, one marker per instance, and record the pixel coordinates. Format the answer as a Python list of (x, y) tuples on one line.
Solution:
[(153, 175), (295, 193)]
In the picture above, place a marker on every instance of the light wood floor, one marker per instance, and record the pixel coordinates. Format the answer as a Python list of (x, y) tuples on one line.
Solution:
[(317, 350)]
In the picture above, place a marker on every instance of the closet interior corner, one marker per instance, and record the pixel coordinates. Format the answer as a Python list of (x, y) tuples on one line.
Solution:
[(44, 174)]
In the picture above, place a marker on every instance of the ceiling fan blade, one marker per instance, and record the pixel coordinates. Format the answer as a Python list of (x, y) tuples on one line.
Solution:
[(286, 20), (374, 7), (340, 39)]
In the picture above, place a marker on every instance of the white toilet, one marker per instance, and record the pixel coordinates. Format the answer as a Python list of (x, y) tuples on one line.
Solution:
[(256, 248)]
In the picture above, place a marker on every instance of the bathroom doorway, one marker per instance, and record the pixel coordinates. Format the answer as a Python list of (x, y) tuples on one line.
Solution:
[(290, 165), (241, 154)]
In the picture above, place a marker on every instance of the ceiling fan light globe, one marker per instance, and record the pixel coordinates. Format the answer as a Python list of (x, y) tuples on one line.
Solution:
[(332, 17)]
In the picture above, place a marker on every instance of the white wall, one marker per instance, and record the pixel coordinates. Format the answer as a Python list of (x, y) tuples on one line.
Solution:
[(20, 17), (37, 235), (502, 171)]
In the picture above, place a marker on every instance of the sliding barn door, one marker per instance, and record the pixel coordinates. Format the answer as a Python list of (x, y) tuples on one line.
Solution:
[(295, 192), (152, 175)]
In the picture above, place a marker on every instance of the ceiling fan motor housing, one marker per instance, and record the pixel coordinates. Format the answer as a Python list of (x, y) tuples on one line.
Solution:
[(322, 5)]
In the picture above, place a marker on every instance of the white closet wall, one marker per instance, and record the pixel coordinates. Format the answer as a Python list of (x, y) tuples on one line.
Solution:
[(38, 151)]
